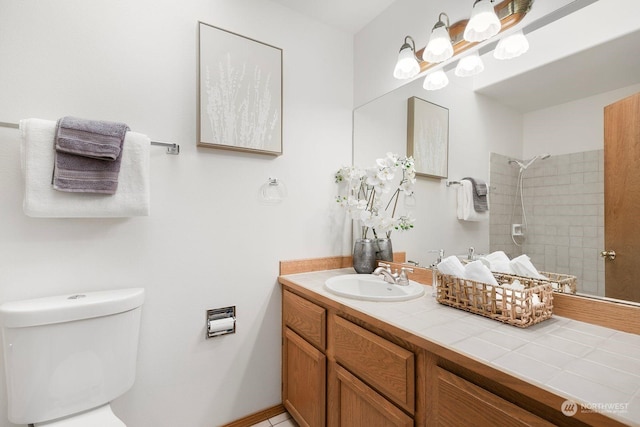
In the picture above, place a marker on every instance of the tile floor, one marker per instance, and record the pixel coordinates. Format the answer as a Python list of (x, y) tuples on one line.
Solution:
[(282, 420)]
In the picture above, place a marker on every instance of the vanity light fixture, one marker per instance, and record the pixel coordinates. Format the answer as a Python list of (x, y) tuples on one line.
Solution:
[(407, 65), (511, 46), (484, 22), (436, 58), (439, 47), (469, 65), (435, 80)]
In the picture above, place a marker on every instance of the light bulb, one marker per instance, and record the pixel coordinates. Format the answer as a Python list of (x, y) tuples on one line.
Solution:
[(511, 46), (484, 22), (439, 47), (435, 80), (469, 65), (407, 65)]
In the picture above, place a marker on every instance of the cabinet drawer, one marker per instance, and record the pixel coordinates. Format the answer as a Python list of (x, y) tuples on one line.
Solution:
[(385, 366), (460, 401), (306, 318)]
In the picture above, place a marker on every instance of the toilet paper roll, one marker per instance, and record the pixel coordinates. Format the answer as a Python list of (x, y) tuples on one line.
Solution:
[(221, 325)]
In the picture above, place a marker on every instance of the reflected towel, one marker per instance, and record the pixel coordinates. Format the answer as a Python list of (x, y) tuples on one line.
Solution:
[(451, 266), (479, 193), (499, 262), (523, 266), (466, 211), (41, 200)]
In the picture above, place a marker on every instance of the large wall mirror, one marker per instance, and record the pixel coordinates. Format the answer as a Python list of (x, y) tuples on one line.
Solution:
[(537, 130)]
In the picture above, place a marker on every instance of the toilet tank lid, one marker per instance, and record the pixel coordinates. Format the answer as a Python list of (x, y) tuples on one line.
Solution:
[(70, 307)]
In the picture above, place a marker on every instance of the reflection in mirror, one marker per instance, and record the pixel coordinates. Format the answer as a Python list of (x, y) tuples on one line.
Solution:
[(556, 108)]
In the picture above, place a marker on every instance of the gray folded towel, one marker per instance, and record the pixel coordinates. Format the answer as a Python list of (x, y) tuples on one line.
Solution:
[(480, 203), (88, 155)]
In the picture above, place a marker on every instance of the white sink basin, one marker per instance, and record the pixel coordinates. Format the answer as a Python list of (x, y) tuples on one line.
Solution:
[(372, 288)]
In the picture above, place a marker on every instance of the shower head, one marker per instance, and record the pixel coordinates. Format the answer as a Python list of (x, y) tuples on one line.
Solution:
[(525, 165)]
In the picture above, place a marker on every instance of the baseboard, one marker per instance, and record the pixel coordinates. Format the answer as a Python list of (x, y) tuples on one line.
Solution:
[(257, 417)]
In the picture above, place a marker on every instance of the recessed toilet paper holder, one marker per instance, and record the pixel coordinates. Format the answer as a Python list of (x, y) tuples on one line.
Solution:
[(220, 321)]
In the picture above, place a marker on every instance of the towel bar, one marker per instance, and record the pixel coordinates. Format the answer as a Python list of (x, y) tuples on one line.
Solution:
[(172, 148)]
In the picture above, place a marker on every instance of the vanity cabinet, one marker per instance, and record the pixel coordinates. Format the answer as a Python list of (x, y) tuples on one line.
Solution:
[(344, 368), (304, 364)]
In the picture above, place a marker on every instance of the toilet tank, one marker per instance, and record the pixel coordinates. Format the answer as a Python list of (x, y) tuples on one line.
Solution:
[(69, 353)]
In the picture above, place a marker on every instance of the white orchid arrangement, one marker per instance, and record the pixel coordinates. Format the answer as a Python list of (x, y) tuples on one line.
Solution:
[(366, 190)]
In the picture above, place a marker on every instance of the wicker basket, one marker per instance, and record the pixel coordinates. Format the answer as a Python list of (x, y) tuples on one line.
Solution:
[(515, 307)]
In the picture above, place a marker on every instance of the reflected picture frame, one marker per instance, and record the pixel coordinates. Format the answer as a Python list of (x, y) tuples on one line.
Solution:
[(428, 137), (239, 94)]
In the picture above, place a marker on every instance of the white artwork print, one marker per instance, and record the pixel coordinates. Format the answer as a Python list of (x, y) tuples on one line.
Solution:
[(429, 138), (240, 92)]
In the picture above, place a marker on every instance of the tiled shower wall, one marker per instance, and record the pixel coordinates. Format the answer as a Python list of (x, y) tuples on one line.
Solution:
[(564, 202)]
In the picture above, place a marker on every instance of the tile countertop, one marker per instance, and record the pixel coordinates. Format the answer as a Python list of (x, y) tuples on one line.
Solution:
[(595, 366)]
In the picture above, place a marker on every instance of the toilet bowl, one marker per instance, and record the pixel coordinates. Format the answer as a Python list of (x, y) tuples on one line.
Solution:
[(66, 357), (98, 417)]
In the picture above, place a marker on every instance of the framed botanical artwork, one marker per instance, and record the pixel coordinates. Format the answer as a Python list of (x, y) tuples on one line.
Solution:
[(428, 137), (239, 92)]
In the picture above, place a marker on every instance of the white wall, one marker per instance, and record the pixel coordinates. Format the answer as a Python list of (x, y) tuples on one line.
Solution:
[(571, 127), (208, 242)]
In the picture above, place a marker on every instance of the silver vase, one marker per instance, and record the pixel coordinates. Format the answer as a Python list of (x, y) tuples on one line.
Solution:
[(364, 255), (385, 251)]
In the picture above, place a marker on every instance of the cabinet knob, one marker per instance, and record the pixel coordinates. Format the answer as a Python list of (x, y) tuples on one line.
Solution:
[(610, 255)]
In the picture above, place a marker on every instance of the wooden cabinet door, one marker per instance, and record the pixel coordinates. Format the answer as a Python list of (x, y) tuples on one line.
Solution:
[(304, 370), (461, 403), (622, 197), (354, 404)]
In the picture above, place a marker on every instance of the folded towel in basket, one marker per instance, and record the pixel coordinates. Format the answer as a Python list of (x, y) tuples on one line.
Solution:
[(88, 155), (451, 266)]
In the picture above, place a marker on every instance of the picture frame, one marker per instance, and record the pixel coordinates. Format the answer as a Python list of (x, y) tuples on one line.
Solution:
[(239, 99), (428, 137)]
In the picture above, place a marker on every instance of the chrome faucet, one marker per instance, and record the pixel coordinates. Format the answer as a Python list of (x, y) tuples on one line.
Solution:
[(384, 270), (401, 279)]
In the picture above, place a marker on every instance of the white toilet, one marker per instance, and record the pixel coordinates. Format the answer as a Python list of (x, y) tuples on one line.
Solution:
[(67, 357)]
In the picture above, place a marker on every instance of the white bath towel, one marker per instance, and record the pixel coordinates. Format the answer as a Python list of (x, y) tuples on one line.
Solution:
[(479, 272), (451, 266), (41, 200), (523, 266), (465, 210)]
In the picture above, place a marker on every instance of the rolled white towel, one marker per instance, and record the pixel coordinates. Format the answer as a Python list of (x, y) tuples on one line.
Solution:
[(522, 266), (499, 262), (478, 272), (497, 256), (451, 266)]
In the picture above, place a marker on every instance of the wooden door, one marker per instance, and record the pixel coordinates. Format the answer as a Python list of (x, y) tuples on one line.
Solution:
[(303, 380), (622, 198), (352, 403)]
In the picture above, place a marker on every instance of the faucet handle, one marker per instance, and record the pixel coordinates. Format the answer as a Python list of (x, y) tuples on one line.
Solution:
[(403, 279), (404, 270), (387, 266)]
